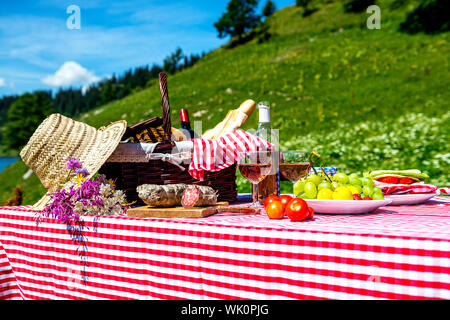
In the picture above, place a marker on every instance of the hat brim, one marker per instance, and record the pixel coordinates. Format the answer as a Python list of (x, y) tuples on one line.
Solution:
[(92, 150)]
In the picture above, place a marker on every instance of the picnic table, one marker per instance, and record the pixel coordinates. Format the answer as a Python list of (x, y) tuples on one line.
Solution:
[(396, 252)]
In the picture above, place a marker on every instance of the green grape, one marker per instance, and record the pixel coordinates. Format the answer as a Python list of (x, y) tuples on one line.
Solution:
[(367, 181), (302, 196), (305, 196), (367, 190), (315, 178), (355, 181), (310, 190), (353, 176), (341, 177), (324, 185), (378, 195), (299, 187), (354, 189), (376, 189), (335, 185)]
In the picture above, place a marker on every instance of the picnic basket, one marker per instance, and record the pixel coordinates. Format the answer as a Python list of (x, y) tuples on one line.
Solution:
[(132, 170), (149, 131)]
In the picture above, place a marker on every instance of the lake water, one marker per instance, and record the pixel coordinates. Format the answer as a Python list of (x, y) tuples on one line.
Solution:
[(6, 161)]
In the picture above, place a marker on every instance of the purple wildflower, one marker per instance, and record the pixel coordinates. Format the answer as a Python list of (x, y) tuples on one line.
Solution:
[(89, 195), (61, 207), (73, 164), (82, 172)]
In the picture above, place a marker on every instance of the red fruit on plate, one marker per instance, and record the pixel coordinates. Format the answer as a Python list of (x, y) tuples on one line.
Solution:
[(285, 199), (297, 210), (311, 213), (270, 199), (391, 180), (356, 197), (367, 198), (406, 181)]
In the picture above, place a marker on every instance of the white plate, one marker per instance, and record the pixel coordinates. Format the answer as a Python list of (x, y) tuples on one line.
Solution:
[(410, 199), (346, 206)]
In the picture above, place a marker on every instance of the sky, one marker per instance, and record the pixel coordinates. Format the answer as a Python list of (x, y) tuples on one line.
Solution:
[(46, 44)]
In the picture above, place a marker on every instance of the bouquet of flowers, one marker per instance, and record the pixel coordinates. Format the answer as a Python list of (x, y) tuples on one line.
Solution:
[(82, 196)]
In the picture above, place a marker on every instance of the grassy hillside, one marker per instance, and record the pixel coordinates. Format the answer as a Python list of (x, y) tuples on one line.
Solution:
[(364, 99)]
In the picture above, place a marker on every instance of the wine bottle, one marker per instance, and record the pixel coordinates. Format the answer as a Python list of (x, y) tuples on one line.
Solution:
[(186, 125), (271, 184)]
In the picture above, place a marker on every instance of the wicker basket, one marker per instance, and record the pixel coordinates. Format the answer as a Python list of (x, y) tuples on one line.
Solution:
[(129, 174), (149, 131)]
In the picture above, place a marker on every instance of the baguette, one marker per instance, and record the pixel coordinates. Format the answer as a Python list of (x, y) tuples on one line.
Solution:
[(233, 120), (177, 135)]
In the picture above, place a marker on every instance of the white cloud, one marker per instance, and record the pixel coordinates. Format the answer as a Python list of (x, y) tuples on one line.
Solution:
[(35, 44), (71, 73), (2, 82)]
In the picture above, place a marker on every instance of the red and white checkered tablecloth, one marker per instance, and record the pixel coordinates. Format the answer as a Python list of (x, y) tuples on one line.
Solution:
[(394, 253)]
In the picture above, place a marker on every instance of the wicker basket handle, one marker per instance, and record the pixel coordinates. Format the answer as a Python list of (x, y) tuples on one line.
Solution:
[(167, 124)]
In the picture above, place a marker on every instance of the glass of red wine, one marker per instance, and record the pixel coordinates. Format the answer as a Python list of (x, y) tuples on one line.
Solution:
[(255, 166), (294, 165)]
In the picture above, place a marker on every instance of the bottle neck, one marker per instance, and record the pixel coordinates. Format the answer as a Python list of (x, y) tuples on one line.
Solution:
[(264, 114), (184, 117)]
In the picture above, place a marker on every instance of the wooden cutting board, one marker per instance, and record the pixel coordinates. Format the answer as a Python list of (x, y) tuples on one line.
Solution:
[(179, 212)]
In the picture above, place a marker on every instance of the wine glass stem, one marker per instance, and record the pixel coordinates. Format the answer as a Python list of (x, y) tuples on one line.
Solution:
[(255, 196), (255, 192)]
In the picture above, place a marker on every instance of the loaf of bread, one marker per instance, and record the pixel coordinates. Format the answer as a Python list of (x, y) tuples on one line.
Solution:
[(233, 120), (177, 135)]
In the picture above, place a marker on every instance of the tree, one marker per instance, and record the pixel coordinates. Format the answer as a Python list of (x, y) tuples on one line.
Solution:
[(239, 18), (269, 9), (24, 116), (171, 62), (108, 92), (5, 103), (302, 3)]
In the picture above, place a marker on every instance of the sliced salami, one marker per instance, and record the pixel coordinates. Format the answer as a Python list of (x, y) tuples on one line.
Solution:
[(198, 196)]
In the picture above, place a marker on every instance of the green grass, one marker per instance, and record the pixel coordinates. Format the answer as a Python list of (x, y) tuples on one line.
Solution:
[(365, 99)]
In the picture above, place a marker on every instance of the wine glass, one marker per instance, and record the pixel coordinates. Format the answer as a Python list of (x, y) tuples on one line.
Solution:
[(255, 166), (294, 165)]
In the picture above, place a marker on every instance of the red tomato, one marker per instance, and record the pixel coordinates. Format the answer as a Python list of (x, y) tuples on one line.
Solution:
[(285, 199), (275, 210), (406, 181), (270, 199), (297, 209), (391, 180), (367, 198), (311, 213), (356, 197)]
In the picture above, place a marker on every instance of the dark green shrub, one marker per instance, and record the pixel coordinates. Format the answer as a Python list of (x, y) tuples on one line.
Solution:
[(357, 5), (431, 16), (24, 116), (302, 3), (397, 4)]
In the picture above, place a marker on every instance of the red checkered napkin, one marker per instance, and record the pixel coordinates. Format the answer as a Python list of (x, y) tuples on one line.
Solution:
[(216, 155), (445, 190), (409, 189)]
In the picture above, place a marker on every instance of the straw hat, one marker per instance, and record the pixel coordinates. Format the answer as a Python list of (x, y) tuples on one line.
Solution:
[(59, 138)]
